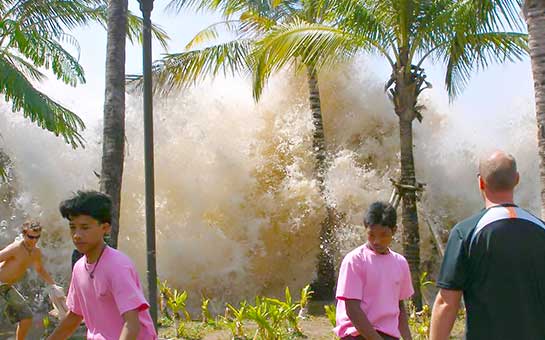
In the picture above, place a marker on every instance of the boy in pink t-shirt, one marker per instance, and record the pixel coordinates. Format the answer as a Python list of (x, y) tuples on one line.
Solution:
[(105, 290), (373, 282)]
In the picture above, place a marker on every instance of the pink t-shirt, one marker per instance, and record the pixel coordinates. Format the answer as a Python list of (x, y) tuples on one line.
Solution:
[(102, 300), (380, 281)]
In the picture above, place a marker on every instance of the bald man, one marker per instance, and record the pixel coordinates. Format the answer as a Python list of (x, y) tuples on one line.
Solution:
[(496, 260)]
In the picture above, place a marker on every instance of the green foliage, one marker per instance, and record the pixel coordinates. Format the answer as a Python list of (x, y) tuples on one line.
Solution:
[(424, 282), (331, 313), (206, 317), (46, 323), (235, 323), (32, 34), (174, 309), (306, 295), (177, 304), (419, 322), (267, 318)]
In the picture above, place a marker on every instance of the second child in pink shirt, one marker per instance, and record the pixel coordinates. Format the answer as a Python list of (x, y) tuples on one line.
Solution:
[(373, 282)]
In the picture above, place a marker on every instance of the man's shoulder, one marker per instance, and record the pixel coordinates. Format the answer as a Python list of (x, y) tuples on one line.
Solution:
[(466, 226), (37, 252)]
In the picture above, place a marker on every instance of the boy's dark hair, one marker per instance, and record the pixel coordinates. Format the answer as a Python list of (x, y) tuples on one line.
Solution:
[(380, 213), (91, 203)]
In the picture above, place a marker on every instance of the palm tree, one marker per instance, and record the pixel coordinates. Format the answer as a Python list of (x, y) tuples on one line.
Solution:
[(120, 24), (113, 137), (535, 19), (256, 18), (406, 33)]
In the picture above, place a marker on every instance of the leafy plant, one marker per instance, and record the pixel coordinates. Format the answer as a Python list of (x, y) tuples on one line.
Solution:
[(306, 294), (419, 321), (236, 324), (331, 313), (165, 294), (205, 313), (424, 282), (177, 304)]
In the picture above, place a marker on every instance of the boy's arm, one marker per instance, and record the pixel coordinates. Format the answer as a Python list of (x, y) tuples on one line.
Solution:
[(67, 327), (39, 267), (131, 328), (360, 321), (444, 313), (404, 322)]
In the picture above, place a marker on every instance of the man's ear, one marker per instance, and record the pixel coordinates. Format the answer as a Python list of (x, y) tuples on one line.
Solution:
[(481, 183), (517, 179)]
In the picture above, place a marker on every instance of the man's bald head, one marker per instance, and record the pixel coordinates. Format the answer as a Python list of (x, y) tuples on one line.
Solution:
[(499, 171)]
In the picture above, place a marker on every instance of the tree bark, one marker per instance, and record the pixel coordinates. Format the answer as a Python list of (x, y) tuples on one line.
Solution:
[(405, 98), (409, 215), (535, 18), (113, 144), (325, 282)]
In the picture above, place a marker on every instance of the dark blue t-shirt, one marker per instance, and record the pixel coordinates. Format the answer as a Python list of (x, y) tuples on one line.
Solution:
[(497, 257)]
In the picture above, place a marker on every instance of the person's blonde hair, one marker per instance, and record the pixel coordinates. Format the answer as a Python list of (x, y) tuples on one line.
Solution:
[(32, 225)]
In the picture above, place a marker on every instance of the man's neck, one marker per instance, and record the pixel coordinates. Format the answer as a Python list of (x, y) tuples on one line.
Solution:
[(27, 247), (498, 199), (93, 255)]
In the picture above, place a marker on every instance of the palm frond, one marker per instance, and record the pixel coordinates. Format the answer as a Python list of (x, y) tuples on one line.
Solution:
[(472, 52), (180, 70), (499, 14), (369, 25), (254, 24), (211, 33), (54, 16), (434, 24), (3, 174), (134, 31), (312, 44), (26, 68), (37, 106), (48, 53)]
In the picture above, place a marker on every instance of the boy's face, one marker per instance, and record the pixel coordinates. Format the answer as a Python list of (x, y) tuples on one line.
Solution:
[(379, 237), (87, 233)]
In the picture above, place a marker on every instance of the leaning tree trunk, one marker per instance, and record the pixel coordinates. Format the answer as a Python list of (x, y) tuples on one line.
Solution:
[(405, 99), (113, 144), (325, 282), (535, 18)]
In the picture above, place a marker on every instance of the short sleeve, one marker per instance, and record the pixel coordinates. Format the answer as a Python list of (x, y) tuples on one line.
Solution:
[(453, 273), (73, 299), (407, 289), (126, 290), (350, 282)]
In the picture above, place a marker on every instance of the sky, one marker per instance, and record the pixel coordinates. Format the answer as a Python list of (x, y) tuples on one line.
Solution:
[(498, 90)]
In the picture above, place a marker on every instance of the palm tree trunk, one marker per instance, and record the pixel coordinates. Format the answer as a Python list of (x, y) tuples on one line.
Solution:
[(535, 18), (405, 100), (325, 281), (113, 145), (409, 215)]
